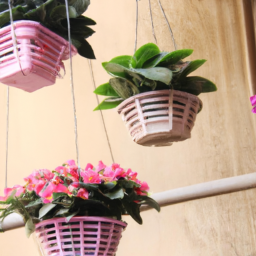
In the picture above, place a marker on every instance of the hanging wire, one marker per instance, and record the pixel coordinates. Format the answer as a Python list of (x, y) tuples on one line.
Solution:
[(173, 40), (152, 23), (72, 86), (136, 26), (7, 137), (14, 40), (102, 117)]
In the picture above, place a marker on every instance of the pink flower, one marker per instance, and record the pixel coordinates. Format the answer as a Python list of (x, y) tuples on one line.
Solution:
[(115, 166), (100, 167), (143, 189), (73, 186), (108, 174), (62, 170), (8, 191), (88, 167), (83, 193), (70, 163), (120, 173), (131, 175), (253, 102), (54, 187), (90, 176)]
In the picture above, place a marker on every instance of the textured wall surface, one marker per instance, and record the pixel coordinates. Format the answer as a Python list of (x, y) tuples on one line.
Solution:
[(222, 143)]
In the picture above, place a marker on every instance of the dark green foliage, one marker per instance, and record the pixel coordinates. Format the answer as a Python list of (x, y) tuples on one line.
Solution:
[(149, 69), (52, 14)]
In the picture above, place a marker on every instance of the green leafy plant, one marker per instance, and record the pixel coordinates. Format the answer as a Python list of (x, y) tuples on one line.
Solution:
[(52, 14), (150, 69), (69, 191)]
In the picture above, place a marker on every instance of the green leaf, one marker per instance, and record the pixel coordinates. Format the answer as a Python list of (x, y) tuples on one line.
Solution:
[(123, 60), (59, 12), (109, 185), (196, 85), (62, 212), (82, 21), (143, 54), (45, 209), (69, 217), (106, 90), (80, 5), (151, 202), (117, 194), (87, 186), (133, 209), (158, 74), (115, 69), (128, 184), (109, 103), (193, 65), (29, 227), (34, 203), (123, 87), (58, 195)]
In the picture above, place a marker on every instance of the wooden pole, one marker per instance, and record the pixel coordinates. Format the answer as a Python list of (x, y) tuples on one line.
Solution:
[(173, 196)]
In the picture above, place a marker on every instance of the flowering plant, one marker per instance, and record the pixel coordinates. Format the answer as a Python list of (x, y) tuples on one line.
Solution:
[(69, 191)]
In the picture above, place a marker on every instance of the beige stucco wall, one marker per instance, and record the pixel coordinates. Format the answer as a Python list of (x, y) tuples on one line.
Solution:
[(222, 143)]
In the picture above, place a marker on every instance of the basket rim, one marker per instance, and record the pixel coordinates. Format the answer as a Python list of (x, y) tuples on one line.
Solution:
[(122, 105), (38, 25), (81, 218)]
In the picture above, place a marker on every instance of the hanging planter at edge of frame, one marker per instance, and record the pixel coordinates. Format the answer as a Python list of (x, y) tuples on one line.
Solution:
[(76, 211), (33, 47), (152, 91)]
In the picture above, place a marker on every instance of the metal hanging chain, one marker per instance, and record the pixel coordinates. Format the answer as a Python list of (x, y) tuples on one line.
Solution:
[(72, 86), (7, 137), (136, 26), (170, 29), (152, 23), (102, 117)]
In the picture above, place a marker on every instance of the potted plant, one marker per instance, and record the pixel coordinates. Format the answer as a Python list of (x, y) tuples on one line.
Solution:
[(39, 42), (154, 94), (78, 210)]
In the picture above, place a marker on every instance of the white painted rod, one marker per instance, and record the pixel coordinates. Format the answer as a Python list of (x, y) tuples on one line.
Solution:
[(12, 221), (202, 190), (173, 196)]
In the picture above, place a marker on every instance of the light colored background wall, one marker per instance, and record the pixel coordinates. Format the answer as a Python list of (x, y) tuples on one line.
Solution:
[(222, 143)]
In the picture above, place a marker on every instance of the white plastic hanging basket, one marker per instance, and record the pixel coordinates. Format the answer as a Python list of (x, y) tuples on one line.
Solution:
[(159, 118), (97, 236), (38, 59)]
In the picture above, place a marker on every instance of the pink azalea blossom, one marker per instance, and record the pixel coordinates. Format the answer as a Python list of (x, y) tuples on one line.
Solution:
[(90, 176), (115, 166), (89, 167), (8, 191), (131, 175), (100, 167), (83, 193), (47, 194), (120, 173), (143, 189), (253, 102), (70, 163), (108, 174)]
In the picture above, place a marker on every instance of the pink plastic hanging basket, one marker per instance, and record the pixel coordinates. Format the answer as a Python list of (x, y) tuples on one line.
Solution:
[(38, 59), (80, 236), (159, 118)]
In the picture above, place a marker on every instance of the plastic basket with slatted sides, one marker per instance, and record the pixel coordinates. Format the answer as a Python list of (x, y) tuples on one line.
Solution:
[(159, 118), (98, 236), (38, 59)]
